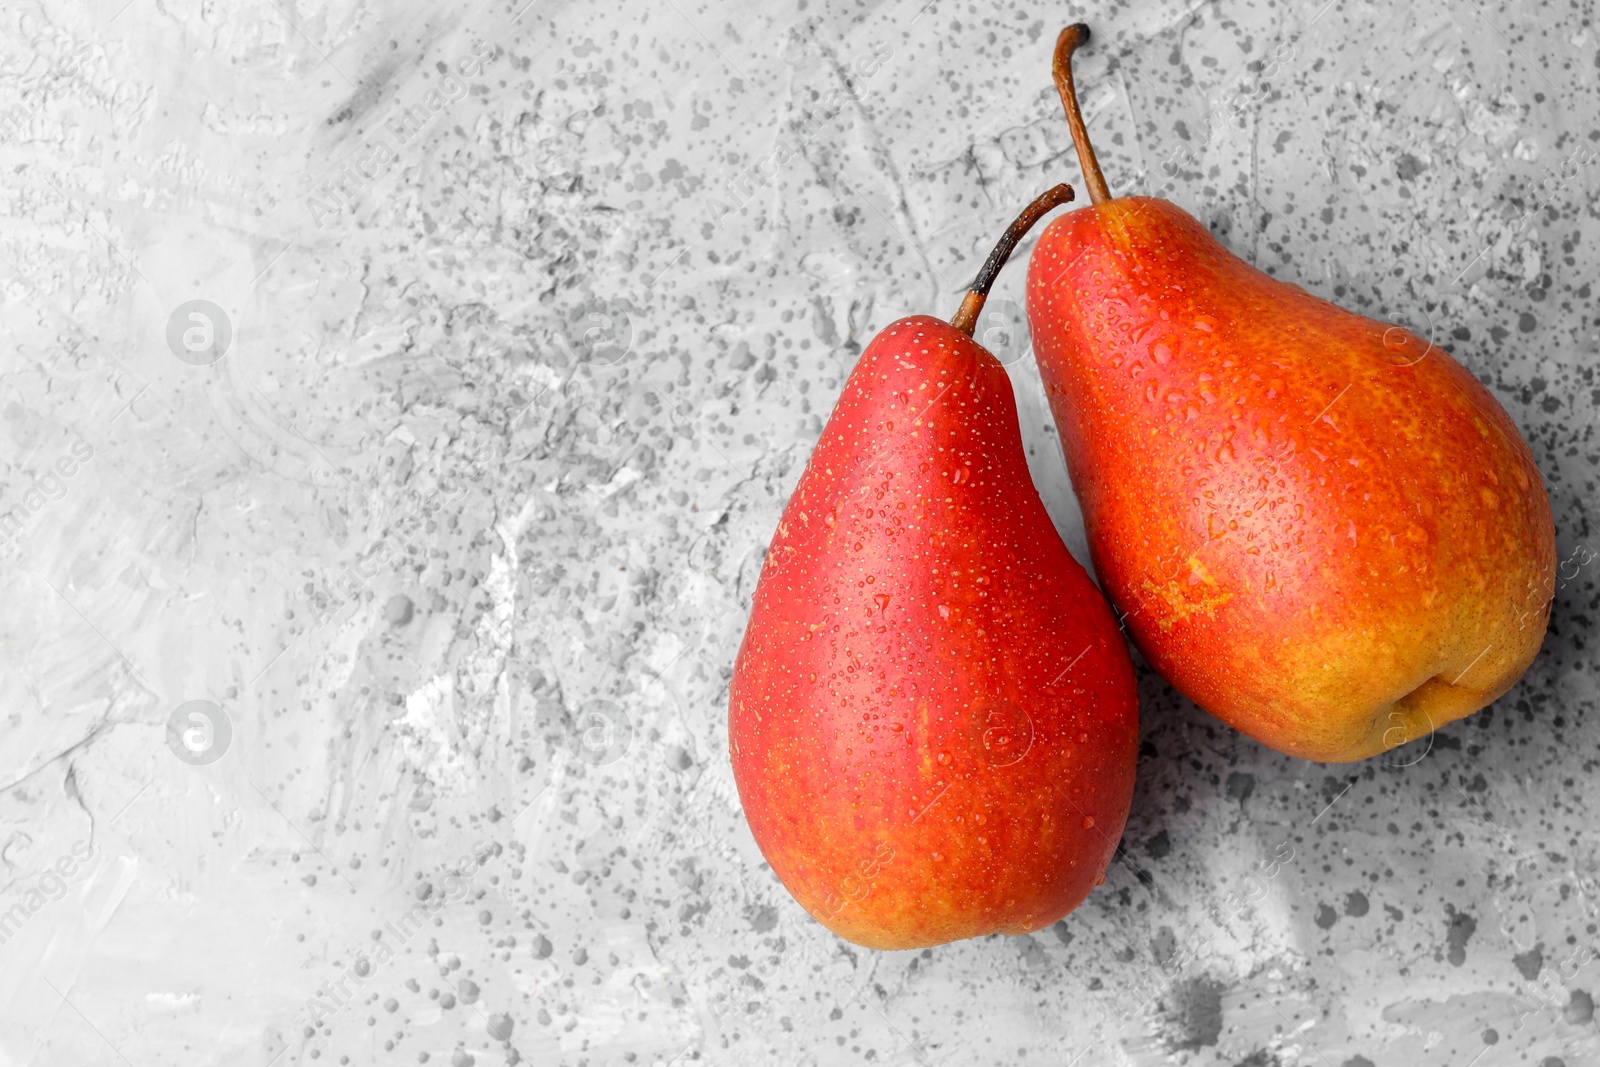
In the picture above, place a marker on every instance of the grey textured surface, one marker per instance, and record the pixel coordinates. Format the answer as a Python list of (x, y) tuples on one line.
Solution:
[(460, 531)]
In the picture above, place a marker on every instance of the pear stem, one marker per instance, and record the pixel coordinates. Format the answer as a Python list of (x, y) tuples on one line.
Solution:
[(1071, 37), (967, 317)]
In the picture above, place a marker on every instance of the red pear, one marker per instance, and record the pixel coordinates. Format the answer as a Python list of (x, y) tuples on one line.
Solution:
[(933, 719), (1318, 527)]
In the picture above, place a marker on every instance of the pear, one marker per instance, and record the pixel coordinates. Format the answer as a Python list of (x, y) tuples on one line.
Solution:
[(1319, 528), (933, 721)]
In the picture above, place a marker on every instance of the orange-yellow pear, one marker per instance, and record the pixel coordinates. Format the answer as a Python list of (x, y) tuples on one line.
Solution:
[(1319, 528)]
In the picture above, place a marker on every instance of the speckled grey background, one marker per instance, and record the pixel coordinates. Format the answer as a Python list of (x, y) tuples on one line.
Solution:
[(536, 310)]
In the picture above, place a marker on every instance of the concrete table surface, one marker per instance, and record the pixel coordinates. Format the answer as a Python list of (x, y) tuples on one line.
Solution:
[(399, 400)]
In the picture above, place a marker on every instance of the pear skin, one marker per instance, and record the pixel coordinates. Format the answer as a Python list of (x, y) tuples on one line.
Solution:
[(1319, 528), (932, 720)]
